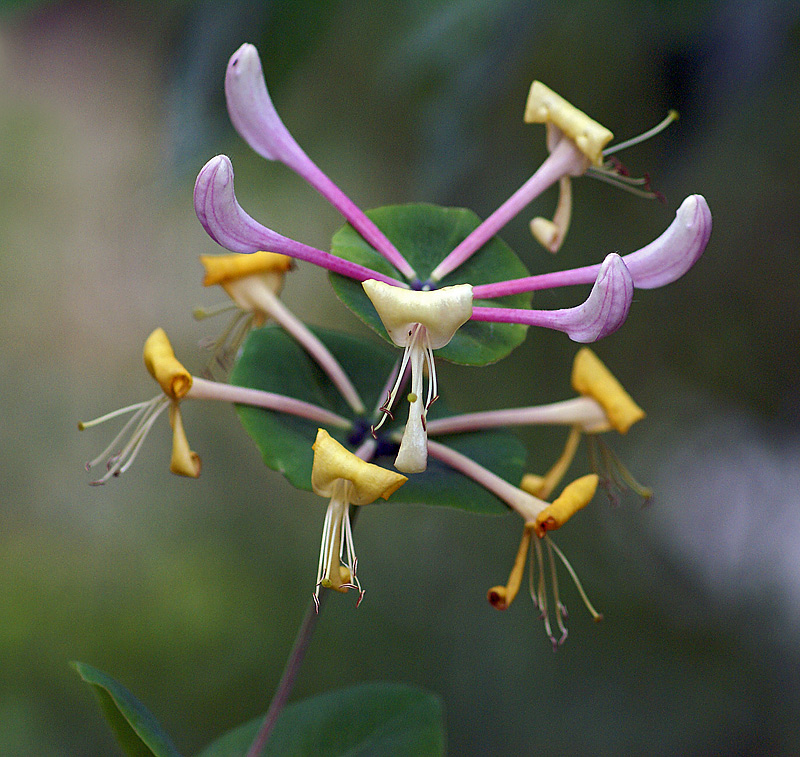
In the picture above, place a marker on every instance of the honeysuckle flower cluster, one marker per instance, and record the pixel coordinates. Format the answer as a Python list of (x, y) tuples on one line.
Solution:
[(423, 303)]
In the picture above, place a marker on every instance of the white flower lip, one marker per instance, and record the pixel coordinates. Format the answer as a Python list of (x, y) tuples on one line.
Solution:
[(442, 311)]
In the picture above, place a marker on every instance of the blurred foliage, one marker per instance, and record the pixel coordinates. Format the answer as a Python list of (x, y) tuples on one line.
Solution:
[(191, 591)]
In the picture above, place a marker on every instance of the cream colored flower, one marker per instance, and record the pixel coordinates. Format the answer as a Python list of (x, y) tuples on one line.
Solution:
[(420, 322)]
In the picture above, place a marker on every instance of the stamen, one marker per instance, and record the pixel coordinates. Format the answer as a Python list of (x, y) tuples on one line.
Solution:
[(593, 448), (537, 587), (671, 116), (541, 602), (561, 610), (614, 475), (201, 313), (224, 348), (82, 425), (386, 407), (596, 616), (351, 561), (610, 176), (433, 386), (144, 416)]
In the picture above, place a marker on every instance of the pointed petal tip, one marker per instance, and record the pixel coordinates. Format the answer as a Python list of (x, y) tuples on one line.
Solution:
[(245, 53)]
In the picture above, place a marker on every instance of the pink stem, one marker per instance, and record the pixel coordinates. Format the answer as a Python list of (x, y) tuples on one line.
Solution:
[(355, 216), (313, 346), (560, 162), (202, 389), (525, 504), (582, 410)]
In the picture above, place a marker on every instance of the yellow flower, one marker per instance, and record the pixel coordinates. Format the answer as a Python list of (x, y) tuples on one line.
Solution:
[(175, 382), (563, 121), (592, 379), (253, 281), (245, 277), (574, 497), (546, 107), (348, 480)]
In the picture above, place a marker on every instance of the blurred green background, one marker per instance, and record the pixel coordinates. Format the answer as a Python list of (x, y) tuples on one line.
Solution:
[(189, 592)]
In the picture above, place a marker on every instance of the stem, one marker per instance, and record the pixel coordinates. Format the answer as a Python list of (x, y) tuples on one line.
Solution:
[(564, 159), (299, 649), (560, 320), (585, 275), (290, 673)]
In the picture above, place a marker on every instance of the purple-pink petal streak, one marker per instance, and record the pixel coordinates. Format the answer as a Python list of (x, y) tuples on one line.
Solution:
[(227, 224), (603, 312), (255, 118), (661, 262)]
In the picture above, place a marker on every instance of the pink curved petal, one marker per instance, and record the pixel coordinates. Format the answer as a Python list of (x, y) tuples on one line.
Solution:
[(255, 118), (251, 110), (661, 262), (227, 224), (603, 312), (606, 307), (667, 258)]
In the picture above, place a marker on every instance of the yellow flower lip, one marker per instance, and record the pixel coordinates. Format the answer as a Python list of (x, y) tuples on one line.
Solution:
[(333, 462), (545, 106), (575, 496), (184, 461), (164, 367), (591, 378), (441, 311), (221, 269)]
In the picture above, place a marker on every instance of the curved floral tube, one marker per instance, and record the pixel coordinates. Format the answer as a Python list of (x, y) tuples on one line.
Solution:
[(258, 123), (603, 312), (227, 224), (661, 262)]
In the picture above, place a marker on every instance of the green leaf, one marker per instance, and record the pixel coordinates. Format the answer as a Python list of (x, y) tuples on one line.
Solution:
[(272, 361), (425, 234), (370, 719), (134, 727)]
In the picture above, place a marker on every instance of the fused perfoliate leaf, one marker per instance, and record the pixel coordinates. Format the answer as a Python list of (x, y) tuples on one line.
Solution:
[(442, 311), (591, 378), (545, 106), (164, 367), (575, 496), (332, 462)]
